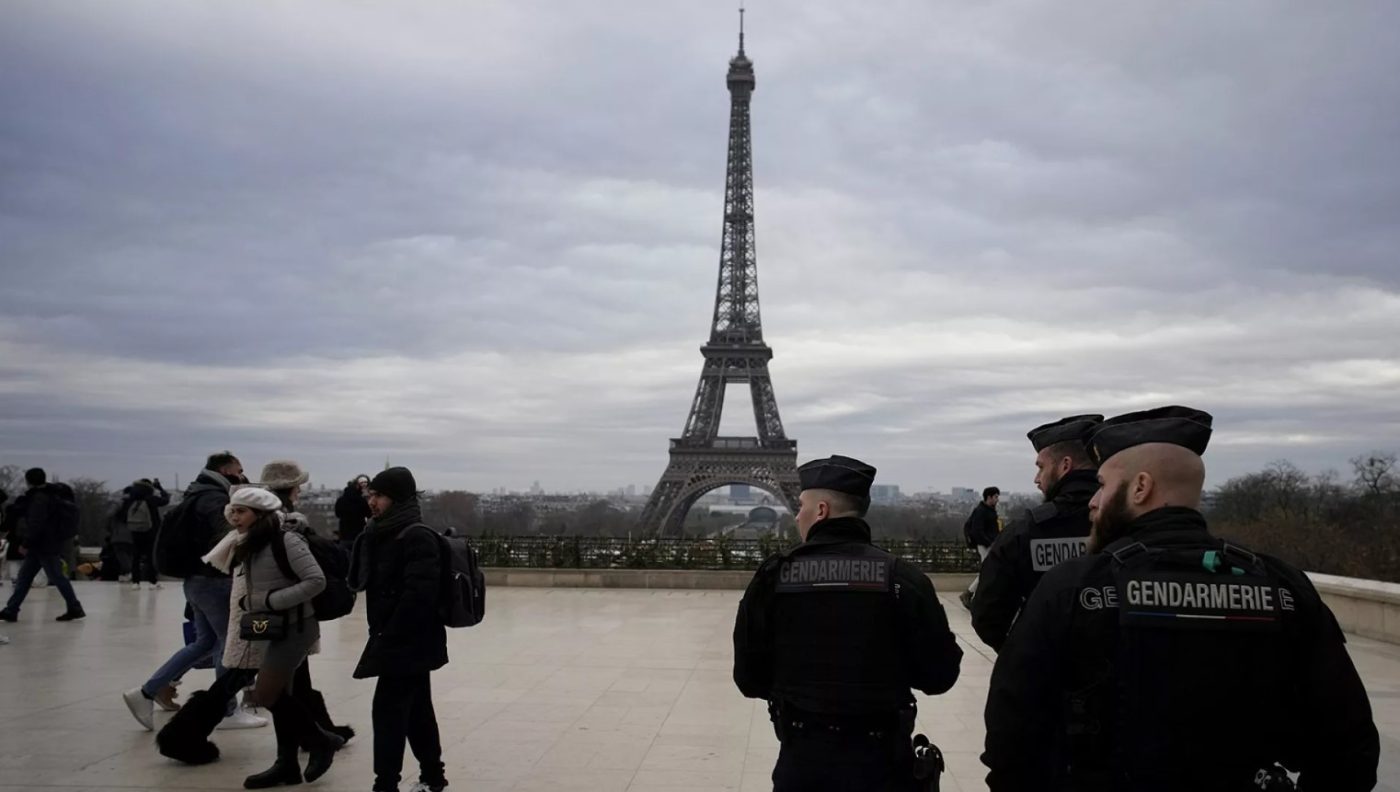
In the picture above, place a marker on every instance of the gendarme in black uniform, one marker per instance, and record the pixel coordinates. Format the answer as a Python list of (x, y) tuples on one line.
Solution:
[(1173, 660), (834, 633), (1042, 537)]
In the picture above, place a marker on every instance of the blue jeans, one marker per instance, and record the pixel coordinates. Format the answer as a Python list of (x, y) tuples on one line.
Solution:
[(52, 564), (209, 600)]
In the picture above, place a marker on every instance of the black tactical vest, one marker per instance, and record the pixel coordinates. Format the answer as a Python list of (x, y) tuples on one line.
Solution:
[(1058, 529), (1181, 646), (835, 636)]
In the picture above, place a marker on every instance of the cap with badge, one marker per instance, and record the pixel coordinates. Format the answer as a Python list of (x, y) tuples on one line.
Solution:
[(838, 473), (1075, 427), (1180, 426)]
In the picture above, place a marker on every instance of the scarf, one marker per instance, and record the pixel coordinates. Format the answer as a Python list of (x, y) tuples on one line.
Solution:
[(398, 517), (221, 557)]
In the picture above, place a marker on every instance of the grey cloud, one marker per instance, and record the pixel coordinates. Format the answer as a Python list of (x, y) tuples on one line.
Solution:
[(485, 238)]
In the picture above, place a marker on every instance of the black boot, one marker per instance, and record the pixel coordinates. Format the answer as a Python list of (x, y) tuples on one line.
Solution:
[(185, 737), (286, 771), (320, 746), (315, 704)]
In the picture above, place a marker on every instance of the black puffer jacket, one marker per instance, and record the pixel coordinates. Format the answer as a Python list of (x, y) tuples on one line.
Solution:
[(398, 566), (352, 510)]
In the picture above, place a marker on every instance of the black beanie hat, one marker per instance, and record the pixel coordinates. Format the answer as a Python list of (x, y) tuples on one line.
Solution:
[(395, 482)]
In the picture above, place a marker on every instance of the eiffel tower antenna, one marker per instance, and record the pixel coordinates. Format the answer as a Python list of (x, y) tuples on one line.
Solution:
[(702, 460), (741, 28)]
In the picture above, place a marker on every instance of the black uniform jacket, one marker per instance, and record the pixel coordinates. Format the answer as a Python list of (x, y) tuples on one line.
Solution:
[(1052, 532), (836, 625), (1108, 682)]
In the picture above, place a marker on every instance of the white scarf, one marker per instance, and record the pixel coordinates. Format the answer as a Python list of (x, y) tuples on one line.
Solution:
[(221, 557)]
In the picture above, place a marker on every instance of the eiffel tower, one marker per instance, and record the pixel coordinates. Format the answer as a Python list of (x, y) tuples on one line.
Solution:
[(701, 460)]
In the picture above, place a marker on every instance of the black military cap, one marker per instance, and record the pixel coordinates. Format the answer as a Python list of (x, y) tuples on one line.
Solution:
[(1075, 427), (838, 473), (1181, 426)]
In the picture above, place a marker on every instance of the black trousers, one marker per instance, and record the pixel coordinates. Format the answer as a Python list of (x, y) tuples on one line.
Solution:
[(403, 710), (143, 559), (817, 763)]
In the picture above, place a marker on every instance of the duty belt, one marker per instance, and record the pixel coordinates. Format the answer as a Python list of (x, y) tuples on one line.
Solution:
[(790, 720)]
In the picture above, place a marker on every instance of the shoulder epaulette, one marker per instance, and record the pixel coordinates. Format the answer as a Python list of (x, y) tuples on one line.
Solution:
[(1044, 511)]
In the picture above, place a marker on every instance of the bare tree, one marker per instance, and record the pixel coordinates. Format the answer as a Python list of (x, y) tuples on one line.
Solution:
[(1375, 473), (95, 506)]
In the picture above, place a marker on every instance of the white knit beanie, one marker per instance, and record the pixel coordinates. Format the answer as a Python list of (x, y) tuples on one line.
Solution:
[(255, 498)]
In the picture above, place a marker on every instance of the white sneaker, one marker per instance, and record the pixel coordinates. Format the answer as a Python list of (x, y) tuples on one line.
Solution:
[(4, 640), (142, 708), (154, 586), (242, 719), (136, 586)]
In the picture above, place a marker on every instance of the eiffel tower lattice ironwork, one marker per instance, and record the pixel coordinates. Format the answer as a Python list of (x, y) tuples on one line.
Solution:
[(701, 460)]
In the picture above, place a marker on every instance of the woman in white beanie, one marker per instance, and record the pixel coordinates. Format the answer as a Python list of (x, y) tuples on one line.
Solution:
[(262, 588)]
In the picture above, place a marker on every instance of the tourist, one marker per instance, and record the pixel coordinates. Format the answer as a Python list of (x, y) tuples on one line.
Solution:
[(833, 634), (1054, 531), (48, 517), (396, 564), (262, 590), (285, 478), (199, 521), (352, 510), (980, 530), (136, 524)]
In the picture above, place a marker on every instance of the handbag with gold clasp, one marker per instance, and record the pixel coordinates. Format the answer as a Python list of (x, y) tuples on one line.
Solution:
[(262, 626)]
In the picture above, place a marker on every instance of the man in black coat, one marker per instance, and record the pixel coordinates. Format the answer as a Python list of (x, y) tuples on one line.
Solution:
[(1054, 531), (352, 511), (397, 563), (1167, 659), (833, 634), (980, 529), (49, 518)]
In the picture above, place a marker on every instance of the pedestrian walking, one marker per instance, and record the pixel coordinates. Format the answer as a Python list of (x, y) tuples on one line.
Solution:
[(189, 531), (980, 530), (272, 628), (833, 634), (48, 518), (396, 562)]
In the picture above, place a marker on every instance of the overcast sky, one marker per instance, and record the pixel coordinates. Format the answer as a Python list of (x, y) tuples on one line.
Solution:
[(481, 238)]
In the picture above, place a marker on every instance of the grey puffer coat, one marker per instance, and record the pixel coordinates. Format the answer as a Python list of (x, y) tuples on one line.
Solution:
[(261, 586)]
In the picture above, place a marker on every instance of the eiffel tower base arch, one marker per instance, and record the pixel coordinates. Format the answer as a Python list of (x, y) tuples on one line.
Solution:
[(693, 472)]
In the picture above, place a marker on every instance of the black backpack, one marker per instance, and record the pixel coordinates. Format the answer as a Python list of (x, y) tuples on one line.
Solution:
[(181, 540), (336, 599), (462, 592)]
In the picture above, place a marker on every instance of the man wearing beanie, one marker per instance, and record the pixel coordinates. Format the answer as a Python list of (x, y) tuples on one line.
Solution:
[(1168, 659), (833, 634), (1054, 531), (396, 562)]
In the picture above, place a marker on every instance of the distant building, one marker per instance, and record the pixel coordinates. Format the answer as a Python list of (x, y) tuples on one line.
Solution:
[(740, 493), (964, 494), (884, 494)]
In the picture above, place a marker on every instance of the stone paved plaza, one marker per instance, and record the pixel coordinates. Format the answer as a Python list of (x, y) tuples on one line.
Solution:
[(560, 689)]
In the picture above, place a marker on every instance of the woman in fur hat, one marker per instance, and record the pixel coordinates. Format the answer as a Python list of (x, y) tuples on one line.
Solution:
[(285, 478)]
